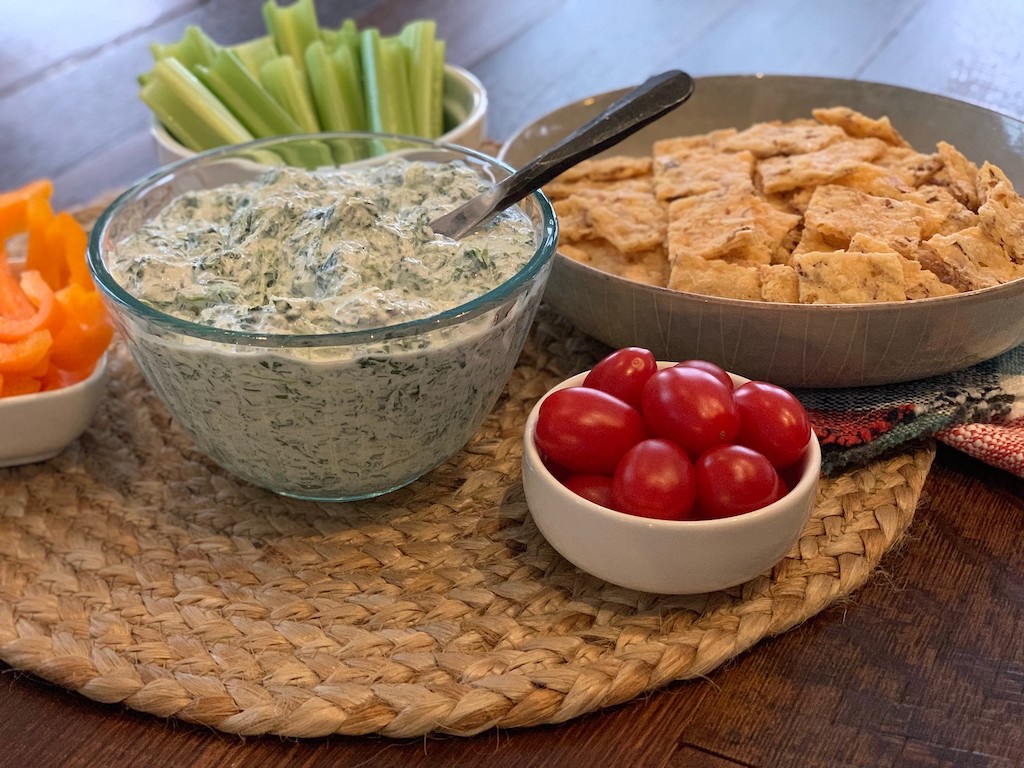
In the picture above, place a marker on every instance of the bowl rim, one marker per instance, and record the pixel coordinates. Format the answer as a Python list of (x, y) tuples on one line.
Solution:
[(98, 371), (723, 301), (544, 251), (531, 457)]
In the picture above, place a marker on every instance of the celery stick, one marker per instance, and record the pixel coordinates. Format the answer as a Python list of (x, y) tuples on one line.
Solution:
[(437, 89), (254, 53), (325, 84), (292, 27), (243, 94), (194, 47), (183, 103), (288, 85), (350, 81), (418, 37), (385, 83)]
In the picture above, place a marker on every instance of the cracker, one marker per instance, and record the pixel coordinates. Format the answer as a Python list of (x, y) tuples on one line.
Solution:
[(840, 277), (715, 278), (649, 267), (912, 167), (921, 283), (629, 221), (779, 283), (733, 226), (787, 172), (961, 175), (777, 138), (1001, 211), (874, 180), (614, 168), (838, 213), (702, 171), (858, 125), (967, 260), (678, 145), (559, 190)]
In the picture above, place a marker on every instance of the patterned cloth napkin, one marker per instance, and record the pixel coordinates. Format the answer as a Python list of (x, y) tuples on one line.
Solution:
[(979, 411)]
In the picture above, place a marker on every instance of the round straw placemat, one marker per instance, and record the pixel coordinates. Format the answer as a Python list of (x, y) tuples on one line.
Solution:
[(134, 570)]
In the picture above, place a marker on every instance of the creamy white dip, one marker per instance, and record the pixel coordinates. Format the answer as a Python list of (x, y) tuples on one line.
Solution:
[(296, 252)]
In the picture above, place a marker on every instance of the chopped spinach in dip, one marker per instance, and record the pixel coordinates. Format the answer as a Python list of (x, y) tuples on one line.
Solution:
[(320, 252)]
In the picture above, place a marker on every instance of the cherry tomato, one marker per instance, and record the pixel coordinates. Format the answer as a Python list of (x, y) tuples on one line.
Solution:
[(623, 373), (773, 422), (595, 488), (713, 368), (690, 407), (655, 479), (587, 430), (733, 479)]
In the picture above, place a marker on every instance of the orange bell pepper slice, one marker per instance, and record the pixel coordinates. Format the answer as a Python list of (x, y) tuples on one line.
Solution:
[(14, 206), (39, 293), (23, 355)]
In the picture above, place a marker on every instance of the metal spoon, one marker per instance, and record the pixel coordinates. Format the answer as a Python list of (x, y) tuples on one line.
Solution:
[(631, 112)]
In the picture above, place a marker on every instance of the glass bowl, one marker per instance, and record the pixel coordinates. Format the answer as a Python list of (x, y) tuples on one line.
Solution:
[(326, 416)]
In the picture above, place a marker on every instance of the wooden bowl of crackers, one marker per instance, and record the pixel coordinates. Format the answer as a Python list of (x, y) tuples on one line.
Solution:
[(813, 232)]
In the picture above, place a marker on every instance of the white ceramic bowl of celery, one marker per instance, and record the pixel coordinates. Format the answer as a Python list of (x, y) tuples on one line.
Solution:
[(465, 117)]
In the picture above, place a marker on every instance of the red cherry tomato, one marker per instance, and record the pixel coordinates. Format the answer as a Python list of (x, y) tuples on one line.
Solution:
[(733, 479), (773, 422), (595, 488), (623, 373), (713, 368), (586, 430), (655, 479), (690, 407)]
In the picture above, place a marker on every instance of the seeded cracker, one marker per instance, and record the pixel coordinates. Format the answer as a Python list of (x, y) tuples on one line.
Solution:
[(839, 277), (838, 213), (649, 267), (918, 282), (968, 260), (962, 175), (629, 221), (702, 170), (714, 278), (779, 283), (780, 174), (777, 138), (720, 226)]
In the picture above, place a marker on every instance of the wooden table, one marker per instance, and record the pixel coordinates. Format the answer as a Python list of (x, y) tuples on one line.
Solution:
[(922, 667)]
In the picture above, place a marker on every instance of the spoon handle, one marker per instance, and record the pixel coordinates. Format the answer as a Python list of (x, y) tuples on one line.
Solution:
[(628, 114)]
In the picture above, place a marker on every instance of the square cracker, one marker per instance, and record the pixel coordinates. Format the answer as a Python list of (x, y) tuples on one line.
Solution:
[(629, 221), (838, 213), (613, 168), (961, 175), (735, 226), (918, 282), (786, 172), (559, 189), (777, 138), (840, 277), (715, 278), (701, 170)]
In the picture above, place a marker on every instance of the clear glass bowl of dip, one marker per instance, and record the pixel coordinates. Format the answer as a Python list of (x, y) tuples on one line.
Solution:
[(327, 416)]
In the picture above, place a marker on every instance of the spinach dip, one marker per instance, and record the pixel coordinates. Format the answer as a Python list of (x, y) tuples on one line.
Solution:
[(349, 249)]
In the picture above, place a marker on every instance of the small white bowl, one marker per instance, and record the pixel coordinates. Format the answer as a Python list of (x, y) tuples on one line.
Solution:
[(675, 557), (38, 426), (465, 108)]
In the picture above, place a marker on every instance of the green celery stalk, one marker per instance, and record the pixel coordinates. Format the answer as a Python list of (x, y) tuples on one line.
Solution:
[(287, 83), (350, 80), (385, 83), (229, 80), (331, 100), (254, 53), (437, 90), (292, 27), (418, 37), (188, 109), (194, 47)]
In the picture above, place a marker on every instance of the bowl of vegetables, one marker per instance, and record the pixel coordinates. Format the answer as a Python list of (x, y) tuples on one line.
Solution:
[(304, 324), (673, 478), (54, 330), (301, 78)]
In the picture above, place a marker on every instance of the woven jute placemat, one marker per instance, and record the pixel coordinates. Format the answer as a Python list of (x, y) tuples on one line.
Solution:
[(134, 570)]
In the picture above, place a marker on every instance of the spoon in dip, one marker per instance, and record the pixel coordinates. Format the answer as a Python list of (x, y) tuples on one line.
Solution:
[(631, 112)]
